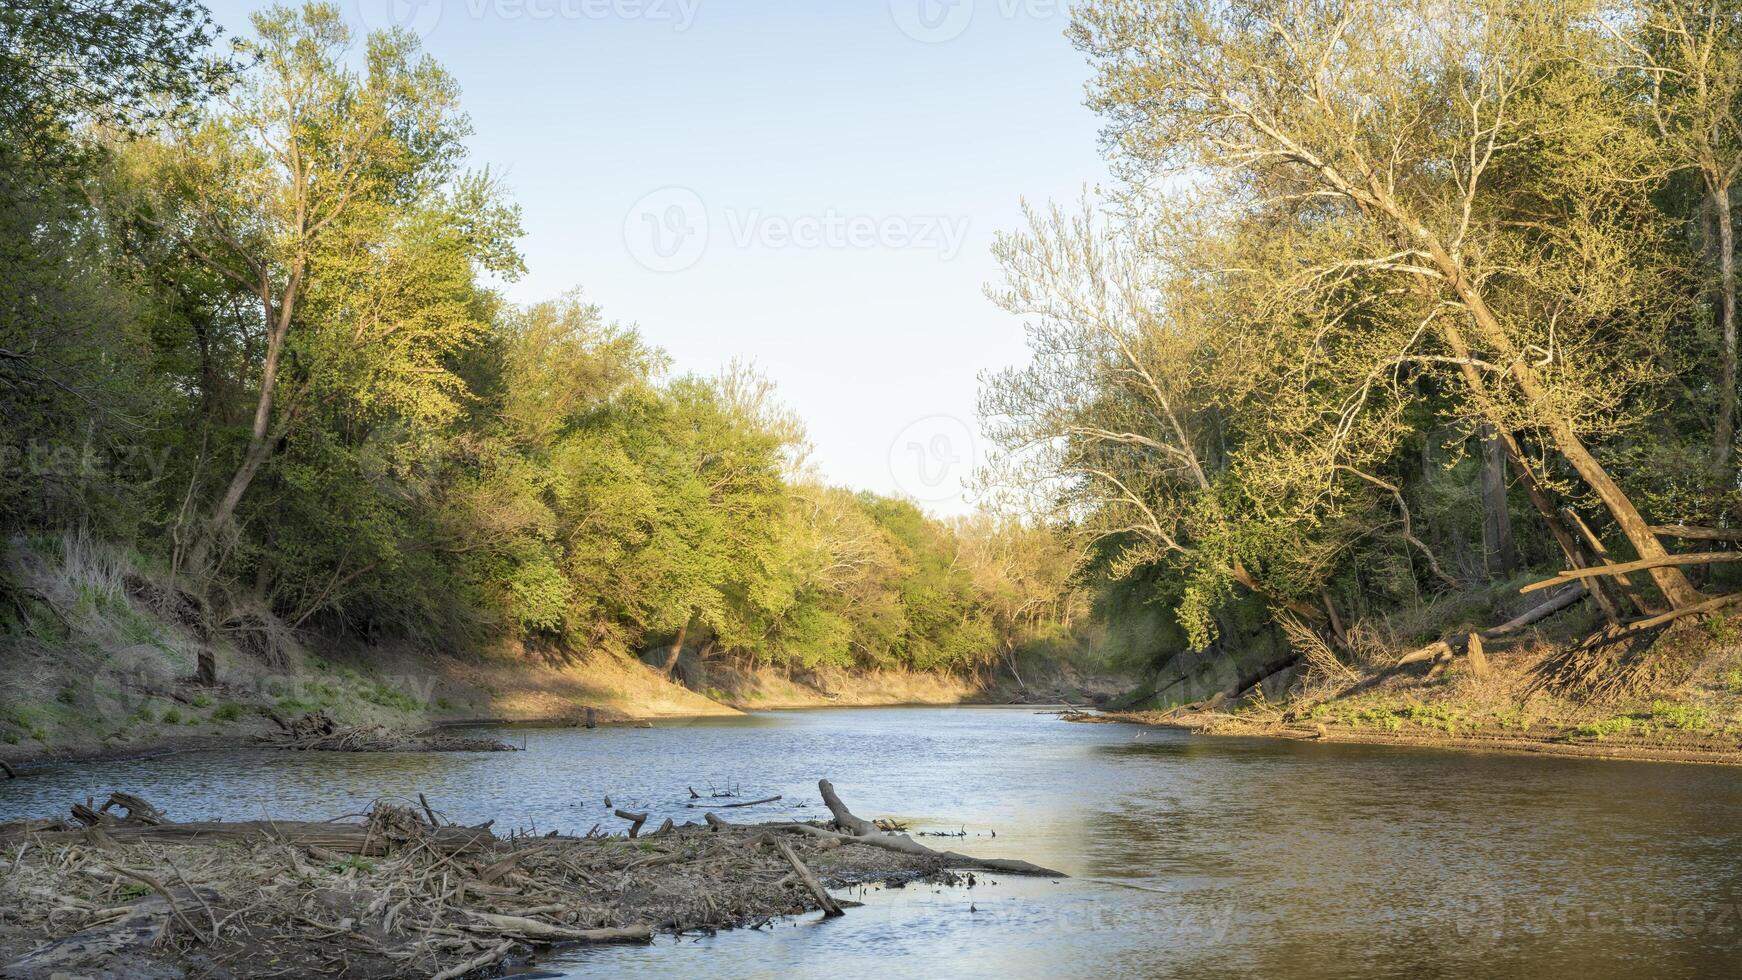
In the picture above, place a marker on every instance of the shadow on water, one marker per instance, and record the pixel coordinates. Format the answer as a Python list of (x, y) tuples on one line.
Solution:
[(1190, 856)]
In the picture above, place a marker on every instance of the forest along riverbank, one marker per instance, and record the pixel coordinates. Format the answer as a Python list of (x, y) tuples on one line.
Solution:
[(1561, 687), (106, 665), (121, 890)]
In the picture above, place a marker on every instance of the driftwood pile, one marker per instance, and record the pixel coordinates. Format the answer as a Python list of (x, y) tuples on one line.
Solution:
[(318, 732), (121, 890)]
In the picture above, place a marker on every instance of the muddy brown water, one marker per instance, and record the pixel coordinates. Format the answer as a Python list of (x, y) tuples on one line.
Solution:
[(1190, 856)]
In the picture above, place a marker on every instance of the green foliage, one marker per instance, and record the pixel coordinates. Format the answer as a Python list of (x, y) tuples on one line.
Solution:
[(263, 341)]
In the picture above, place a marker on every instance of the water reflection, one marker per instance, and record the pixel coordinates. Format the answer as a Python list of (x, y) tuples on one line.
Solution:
[(1191, 856)]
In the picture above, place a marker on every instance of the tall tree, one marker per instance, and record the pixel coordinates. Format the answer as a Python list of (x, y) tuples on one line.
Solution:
[(305, 182), (1418, 122)]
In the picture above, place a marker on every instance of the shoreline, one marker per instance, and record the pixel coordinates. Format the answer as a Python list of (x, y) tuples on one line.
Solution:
[(1216, 725), (25, 764)]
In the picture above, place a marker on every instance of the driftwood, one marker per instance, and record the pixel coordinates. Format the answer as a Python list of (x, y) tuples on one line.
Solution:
[(284, 898), (635, 820), (1643, 564), (7, 770), (844, 818), (525, 928), (831, 908), (903, 844), (731, 806), (900, 843), (489, 957), (1448, 648), (359, 839)]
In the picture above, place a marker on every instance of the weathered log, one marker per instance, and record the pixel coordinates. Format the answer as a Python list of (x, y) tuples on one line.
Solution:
[(635, 820), (489, 957), (1643, 564), (138, 810), (343, 838), (1547, 609), (1691, 533), (1710, 605), (844, 818), (1432, 651), (525, 928), (831, 909), (1448, 648), (903, 844)]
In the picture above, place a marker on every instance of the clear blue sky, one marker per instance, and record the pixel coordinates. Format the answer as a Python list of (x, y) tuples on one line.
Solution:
[(845, 163)]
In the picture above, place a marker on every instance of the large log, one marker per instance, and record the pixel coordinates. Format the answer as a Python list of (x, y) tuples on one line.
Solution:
[(1691, 533), (844, 818), (903, 844), (1643, 564), (341, 837)]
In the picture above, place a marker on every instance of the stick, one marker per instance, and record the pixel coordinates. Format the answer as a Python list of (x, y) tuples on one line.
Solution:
[(157, 886), (433, 822), (9, 773), (482, 960), (827, 901), (1701, 558), (635, 820), (729, 806)]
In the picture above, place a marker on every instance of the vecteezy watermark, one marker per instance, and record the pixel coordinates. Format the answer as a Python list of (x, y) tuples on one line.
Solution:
[(667, 230), (421, 17), (68, 462), (937, 21), (670, 229), (931, 457)]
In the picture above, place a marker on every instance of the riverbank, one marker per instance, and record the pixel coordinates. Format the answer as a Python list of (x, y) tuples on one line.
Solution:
[(1672, 697), (102, 662)]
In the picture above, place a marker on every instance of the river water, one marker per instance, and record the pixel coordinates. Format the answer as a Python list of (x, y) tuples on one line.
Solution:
[(1189, 856)]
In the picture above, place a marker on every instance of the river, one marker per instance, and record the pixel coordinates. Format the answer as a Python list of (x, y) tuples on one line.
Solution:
[(1189, 856)]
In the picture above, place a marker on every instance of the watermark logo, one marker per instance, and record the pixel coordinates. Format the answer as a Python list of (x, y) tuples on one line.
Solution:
[(422, 17), (932, 21), (667, 230), (670, 230), (419, 17), (931, 457), (937, 21)]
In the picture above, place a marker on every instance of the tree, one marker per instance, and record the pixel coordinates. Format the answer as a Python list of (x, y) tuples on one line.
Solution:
[(326, 194), (1690, 55), (1473, 156)]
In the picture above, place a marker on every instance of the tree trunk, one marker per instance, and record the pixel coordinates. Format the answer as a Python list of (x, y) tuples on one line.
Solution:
[(1724, 433), (1498, 549), (260, 438), (677, 646), (1670, 581)]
